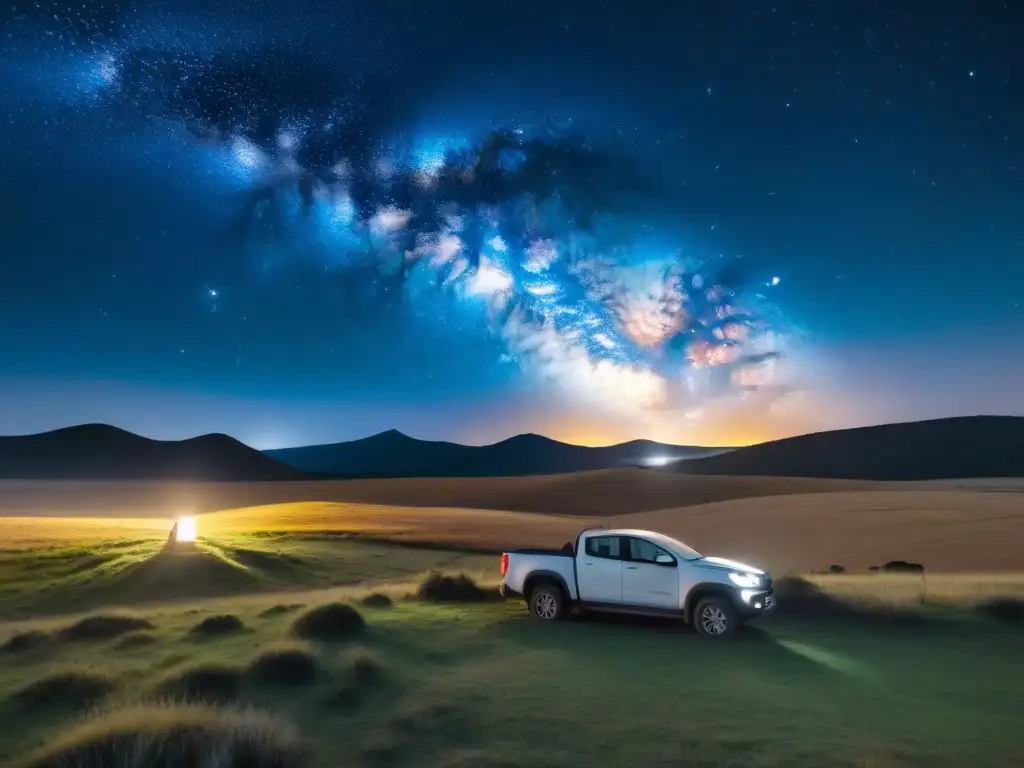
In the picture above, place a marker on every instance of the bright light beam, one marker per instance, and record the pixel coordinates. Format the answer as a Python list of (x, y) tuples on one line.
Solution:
[(186, 529)]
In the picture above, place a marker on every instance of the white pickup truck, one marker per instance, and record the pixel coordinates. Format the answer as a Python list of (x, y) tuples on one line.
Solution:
[(641, 572)]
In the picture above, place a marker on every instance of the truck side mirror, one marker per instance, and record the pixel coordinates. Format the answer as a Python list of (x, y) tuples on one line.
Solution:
[(662, 559)]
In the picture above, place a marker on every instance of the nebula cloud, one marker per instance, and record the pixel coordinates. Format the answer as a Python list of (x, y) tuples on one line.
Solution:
[(530, 227)]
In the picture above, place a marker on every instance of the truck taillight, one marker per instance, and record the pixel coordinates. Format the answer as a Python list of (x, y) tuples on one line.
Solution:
[(504, 563)]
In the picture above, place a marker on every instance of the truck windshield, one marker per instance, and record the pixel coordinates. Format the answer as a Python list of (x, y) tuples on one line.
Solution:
[(687, 553)]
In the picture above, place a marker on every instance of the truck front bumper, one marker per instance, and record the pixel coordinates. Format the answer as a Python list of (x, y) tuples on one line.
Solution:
[(754, 603)]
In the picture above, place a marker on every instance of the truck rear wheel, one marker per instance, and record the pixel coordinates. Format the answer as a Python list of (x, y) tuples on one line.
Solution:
[(715, 618), (547, 602)]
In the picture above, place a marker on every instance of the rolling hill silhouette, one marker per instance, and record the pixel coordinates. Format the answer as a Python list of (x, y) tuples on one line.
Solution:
[(99, 451), (963, 447), (394, 454)]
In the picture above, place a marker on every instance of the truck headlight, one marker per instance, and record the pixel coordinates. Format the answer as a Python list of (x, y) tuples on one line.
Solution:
[(745, 580)]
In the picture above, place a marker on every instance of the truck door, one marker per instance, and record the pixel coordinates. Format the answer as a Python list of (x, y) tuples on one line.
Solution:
[(600, 570), (645, 581)]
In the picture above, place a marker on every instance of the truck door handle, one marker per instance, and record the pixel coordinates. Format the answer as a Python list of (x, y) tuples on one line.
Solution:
[(630, 567)]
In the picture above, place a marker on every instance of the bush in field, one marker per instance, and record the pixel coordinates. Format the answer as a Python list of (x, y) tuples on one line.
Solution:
[(73, 688), (377, 600), (366, 669), (213, 626), (103, 627), (136, 640), (203, 682), (901, 566), (289, 664), (27, 641), (440, 588), (330, 622), (280, 610), (173, 736)]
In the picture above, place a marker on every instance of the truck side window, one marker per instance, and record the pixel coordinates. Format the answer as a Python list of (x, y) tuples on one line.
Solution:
[(603, 546), (642, 551)]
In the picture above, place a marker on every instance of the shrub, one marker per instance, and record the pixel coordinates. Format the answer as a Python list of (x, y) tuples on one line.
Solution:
[(284, 665), (70, 688), (204, 682), (366, 669), (213, 626), (440, 588), (901, 566), (377, 600), (103, 627), (166, 736), (1008, 609), (136, 640), (279, 610), (330, 622), (26, 641), (836, 569)]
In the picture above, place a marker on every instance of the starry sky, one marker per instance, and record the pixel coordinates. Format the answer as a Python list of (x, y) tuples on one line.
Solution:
[(703, 223)]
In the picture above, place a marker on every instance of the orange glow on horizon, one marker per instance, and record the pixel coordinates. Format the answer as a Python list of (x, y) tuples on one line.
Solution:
[(732, 423)]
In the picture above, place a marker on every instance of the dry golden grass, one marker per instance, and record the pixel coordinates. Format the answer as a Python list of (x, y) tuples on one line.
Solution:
[(607, 492), (29, 532), (951, 531)]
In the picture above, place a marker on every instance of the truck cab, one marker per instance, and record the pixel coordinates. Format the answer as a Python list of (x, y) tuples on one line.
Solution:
[(640, 572)]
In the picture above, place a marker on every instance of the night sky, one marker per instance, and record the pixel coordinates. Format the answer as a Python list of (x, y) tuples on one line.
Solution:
[(698, 222)]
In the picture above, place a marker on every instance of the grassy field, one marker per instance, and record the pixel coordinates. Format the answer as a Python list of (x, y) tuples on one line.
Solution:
[(482, 685), (857, 670)]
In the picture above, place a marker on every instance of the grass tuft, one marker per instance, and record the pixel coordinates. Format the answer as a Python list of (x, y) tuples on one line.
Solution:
[(209, 682), (136, 640), (1008, 609), (103, 627), (280, 610), (366, 669), (27, 641), (440, 588), (330, 622), (72, 688), (215, 626), (197, 736), (377, 600), (287, 664)]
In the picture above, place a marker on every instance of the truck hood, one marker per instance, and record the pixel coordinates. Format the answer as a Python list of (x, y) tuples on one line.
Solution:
[(720, 563)]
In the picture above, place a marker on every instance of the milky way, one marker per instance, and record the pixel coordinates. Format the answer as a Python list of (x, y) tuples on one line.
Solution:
[(530, 230)]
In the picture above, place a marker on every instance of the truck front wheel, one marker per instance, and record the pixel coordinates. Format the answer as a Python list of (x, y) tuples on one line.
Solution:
[(547, 602), (715, 618)]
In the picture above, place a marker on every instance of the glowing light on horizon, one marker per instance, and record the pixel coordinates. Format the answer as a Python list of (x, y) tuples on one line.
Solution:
[(186, 529)]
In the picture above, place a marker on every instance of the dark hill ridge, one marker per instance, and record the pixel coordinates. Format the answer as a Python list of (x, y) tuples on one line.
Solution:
[(100, 451), (394, 454), (970, 446)]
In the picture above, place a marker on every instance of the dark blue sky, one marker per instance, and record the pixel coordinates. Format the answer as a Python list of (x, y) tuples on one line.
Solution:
[(868, 155)]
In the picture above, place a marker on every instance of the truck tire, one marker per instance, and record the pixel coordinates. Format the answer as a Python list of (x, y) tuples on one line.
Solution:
[(715, 618), (547, 602)]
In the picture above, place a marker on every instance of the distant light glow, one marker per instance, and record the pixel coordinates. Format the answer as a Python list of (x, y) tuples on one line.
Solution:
[(186, 529), (658, 461)]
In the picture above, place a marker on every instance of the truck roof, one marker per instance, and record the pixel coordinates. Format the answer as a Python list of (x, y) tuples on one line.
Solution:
[(666, 541)]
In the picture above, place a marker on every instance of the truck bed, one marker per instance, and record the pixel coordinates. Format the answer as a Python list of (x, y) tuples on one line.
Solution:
[(540, 551)]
